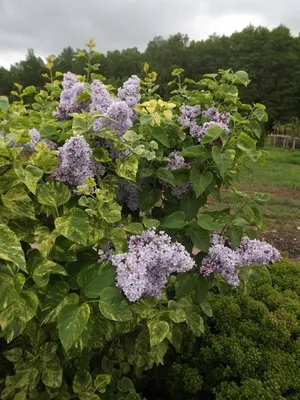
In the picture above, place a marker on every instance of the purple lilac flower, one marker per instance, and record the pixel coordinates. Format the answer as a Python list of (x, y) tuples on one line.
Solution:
[(176, 161), (99, 169), (71, 89), (203, 129), (120, 115), (257, 252), (224, 260), (35, 138), (130, 91), (151, 257), (128, 195), (212, 114), (188, 115), (75, 162), (100, 97), (105, 252)]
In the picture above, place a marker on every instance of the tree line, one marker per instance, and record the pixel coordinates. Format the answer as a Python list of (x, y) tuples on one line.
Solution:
[(271, 57)]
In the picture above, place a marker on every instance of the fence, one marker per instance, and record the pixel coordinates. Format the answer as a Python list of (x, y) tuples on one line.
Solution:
[(284, 141)]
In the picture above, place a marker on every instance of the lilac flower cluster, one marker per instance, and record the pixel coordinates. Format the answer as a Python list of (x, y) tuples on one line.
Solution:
[(128, 195), (151, 257), (130, 91), (71, 89), (35, 138), (176, 161), (189, 115), (118, 114), (75, 162), (224, 260)]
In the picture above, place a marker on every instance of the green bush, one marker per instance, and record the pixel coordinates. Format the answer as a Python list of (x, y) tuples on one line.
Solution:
[(251, 349), (83, 171)]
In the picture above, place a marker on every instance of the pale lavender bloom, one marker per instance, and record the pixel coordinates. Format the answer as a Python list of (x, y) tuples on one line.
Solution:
[(202, 131), (257, 252), (105, 252), (224, 260), (35, 138), (212, 114), (120, 118), (100, 97), (189, 114), (71, 90), (99, 169), (75, 162), (151, 257), (130, 91), (176, 161), (128, 195)]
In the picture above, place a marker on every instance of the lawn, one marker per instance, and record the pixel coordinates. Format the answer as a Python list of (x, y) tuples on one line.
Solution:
[(280, 178)]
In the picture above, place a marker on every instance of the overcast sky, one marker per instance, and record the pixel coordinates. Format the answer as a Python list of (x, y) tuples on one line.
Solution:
[(48, 26)]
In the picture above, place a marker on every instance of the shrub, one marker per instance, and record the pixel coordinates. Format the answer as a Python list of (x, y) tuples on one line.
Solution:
[(91, 296), (251, 347)]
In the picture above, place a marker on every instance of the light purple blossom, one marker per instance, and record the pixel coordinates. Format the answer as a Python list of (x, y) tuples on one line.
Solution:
[(189, 114), (224, 260), (128, 195), (119, 118), (35, 138), (151, 257), (100, 97), (212, 114), (71, 89), (75, 162), (176, 161), (130, 91)]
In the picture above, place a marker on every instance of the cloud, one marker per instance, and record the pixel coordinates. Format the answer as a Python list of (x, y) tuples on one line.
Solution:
[(47, 27)]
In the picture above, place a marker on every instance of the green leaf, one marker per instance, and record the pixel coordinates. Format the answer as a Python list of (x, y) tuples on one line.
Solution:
[(53, 194), (185, 284), (194, 151), (202, 288), (134, 227), (48, 131), (151, 223), (113, 306), (175, 336), (8, 180), (8, 292), (200, 181), (262, 197), (199, 236), (101, 381), (13, 319), (29, 176), (75, 226), (166, 175), (158, 331), (19, 203), (95, 278), (82, 381), (43, 268), (13, 355), (4, 103), (260, 113), (212, 133), (206, 308), (128, 167), (125, 385), (235, 234), (191, 206), (195, 323), (207, 222), (160, 134), (177, 220), (149, 197), (72, 320), (176, 313), (55, 298), (248, 146), (29, 90), (52, 374), (242, 77), (10, 248), (118, 237), (223, 160)]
